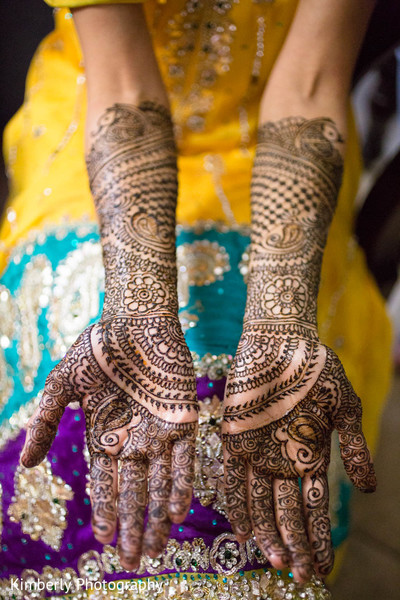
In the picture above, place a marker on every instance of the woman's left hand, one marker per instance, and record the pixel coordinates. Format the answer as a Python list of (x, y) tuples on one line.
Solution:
[(284, 396)]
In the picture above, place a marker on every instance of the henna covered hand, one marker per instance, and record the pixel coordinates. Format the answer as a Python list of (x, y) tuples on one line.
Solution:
[(132, 372), (140, 409), (277, 427), (286, 391)]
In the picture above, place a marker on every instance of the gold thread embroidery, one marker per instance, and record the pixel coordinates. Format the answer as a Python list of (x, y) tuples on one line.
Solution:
[(200, 263), (31, 298), (11, 428), (74, 300), (204, 28), (251, 585), (39, 503), (8, 314)]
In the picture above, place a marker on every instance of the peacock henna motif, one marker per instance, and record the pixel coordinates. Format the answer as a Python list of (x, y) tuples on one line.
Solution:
[(286, 391), (132, 371)]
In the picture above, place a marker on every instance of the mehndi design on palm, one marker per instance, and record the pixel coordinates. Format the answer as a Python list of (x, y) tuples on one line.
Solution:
[(132, 372), (286, 391)]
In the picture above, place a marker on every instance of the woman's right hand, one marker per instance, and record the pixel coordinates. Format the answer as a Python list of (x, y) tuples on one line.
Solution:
[(134, 379)]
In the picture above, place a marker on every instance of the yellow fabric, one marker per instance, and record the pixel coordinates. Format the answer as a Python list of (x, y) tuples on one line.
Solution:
[(216, 125), (77, 3)]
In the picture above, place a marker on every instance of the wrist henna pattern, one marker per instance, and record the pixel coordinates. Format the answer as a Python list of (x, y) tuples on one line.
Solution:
[(132, 372), (148, 358), (286, 391), (273, 378), (298, 445)]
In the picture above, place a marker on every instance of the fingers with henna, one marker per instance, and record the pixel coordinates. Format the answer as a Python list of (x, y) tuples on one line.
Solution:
[(182, 471), (132, 500), (103, 493), (42, 426), (316, 511), (353, 446), (291, 524), (235, 481), (263, 518), (159, 523)]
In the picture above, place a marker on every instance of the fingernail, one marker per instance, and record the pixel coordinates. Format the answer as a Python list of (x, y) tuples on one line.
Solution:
[(302, 573), (132, 561), (279, 561), (368, 490)]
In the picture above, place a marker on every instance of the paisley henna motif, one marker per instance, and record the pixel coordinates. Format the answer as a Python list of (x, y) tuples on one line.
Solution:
[(132, 372), (286, 391)]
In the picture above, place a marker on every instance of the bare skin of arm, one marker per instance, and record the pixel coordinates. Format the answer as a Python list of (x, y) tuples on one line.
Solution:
[(132, 371), (286, 391)]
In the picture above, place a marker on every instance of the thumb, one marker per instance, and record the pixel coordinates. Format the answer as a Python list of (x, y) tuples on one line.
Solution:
[(354, 451), (42, 426)]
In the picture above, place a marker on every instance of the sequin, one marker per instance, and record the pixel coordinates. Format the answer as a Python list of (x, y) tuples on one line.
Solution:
[(8, 312), (11, 215), (199, 263), (244, 264), (1, 510), (74, 300), (39, 504), (35, 283)]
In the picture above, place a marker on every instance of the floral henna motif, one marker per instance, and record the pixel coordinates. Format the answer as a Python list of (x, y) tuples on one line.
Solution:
[(144, 293), (132, 372), (286, 391)]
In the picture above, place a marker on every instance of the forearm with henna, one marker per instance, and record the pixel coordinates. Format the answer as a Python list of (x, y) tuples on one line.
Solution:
[(296, 179), (132, 371), (133, 174), (286, 391), (133, 178)]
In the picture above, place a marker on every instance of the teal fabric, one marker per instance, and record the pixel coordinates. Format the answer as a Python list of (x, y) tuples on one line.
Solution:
[(222, 302), (219, 318), (55, 250)]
